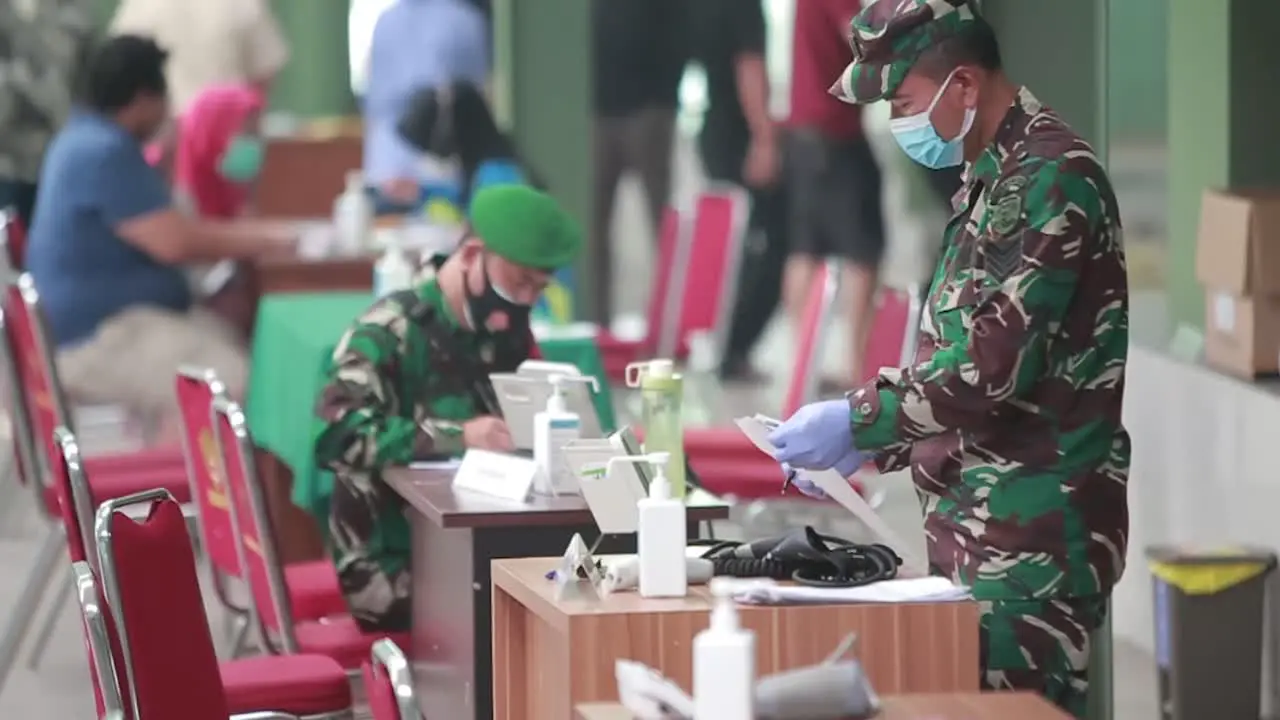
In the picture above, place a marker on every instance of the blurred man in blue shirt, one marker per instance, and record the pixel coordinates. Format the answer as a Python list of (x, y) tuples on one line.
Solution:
[(416, 44), (108, 249)]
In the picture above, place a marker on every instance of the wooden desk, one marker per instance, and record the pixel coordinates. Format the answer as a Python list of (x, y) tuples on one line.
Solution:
[(456, 535), (951, 706), (550, 655)]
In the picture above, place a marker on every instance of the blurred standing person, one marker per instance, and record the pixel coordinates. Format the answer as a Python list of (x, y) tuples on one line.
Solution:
[(45, 43), (417, 44), (638, 57), (739, 144), (833, 181), (228, 42)]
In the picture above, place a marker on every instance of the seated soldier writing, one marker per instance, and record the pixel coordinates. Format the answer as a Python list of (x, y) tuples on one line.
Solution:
[(411, 380)]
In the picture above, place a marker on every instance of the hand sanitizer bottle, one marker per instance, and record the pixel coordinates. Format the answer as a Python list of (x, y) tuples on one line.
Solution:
[(661, 537), (724, 662), (661, 391), (393, 272), (353, 215), (554, 428)]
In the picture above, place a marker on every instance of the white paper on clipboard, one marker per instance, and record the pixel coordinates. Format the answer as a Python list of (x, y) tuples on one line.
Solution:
[(757, 430)]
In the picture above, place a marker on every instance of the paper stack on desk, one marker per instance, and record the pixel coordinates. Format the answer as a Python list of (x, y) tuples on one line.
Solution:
[(904, 590)]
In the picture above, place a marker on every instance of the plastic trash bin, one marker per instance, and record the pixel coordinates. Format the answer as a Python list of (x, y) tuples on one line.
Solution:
[(1209, 610)]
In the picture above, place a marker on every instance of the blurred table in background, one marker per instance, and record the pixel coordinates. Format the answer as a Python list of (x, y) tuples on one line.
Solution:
[(951, 706)]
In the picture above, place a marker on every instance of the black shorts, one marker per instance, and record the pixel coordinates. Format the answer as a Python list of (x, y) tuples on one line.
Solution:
[(834, 195)]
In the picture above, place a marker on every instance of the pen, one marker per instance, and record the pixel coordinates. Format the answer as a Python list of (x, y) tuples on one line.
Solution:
[(790, 478)]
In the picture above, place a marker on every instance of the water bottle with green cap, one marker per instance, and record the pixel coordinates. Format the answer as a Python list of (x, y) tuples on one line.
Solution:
[(661, 393)]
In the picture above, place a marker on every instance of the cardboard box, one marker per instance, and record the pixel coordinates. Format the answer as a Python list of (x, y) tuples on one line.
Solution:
[(1238, 263)]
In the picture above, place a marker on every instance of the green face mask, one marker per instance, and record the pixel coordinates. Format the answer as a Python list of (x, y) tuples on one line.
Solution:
[(242, 159)]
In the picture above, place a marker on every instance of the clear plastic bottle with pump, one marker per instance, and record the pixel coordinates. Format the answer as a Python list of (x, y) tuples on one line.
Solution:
[(553, 428), (353, 216), (662, 392)]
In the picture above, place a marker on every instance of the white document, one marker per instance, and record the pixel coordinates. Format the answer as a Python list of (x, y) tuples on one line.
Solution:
[(449, 464), (902, 590), (503, 476), (837, 488)]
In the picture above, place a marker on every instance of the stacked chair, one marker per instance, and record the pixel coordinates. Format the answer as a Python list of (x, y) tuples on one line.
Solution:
[(140, 575), (37, 405)]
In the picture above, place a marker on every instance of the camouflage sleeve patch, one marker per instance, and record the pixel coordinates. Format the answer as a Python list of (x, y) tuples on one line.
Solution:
[(363, 422), (1053, 217)]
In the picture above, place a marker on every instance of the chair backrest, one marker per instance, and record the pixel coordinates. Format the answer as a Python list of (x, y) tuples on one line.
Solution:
[(98, 643), (388, 683), (13, 234), (16, 402), (259, 560), (711, 263), (197, 387), (891, 331), (75, 498), (166, 652), (33, 355), (818, 308), (668, 279)]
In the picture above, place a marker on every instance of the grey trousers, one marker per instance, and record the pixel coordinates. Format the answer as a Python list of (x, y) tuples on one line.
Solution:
[(640, 143)]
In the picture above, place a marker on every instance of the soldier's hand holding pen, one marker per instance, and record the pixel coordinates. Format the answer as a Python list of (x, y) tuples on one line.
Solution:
[(487, 433)]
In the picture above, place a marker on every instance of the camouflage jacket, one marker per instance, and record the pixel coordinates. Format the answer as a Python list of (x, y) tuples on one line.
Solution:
[(1010, 416), (43, 44), (403, 380)]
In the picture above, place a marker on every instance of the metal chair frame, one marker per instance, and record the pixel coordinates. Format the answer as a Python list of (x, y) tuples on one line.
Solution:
[(111, 582), (393, 661)]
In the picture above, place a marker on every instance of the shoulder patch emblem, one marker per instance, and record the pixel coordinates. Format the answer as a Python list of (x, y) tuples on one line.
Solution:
[(1006, 206)]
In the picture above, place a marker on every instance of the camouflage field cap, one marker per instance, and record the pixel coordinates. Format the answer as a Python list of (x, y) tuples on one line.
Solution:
[(888, 37), (525, 226)]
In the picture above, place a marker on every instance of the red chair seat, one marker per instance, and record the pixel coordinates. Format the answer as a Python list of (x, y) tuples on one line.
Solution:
[(293, 684), (719, 442), (342, 639), (167, 456), (108, 485), (314, 592), (755, 479)]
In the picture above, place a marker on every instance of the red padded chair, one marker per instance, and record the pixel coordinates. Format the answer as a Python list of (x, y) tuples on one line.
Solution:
[(660, 335), (161, 647), (709, 282), (388, 684), (312, 586), (13, 234), (891, 342), (725, 460), (36, 407), (338, 636)]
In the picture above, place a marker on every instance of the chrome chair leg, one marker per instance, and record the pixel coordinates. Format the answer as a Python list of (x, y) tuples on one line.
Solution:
[(24, 611), (239, 635), (51, 618)]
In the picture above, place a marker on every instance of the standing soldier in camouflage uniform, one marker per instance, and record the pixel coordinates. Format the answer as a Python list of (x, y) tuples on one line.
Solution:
[(410, 380), (1010, 416)]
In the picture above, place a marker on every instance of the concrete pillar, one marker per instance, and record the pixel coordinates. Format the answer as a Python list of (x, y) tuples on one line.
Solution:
[(317, 80), (1223, 115), (542, 93)]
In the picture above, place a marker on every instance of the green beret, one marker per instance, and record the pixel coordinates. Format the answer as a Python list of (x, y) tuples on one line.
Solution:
[(525, 226), (887, 38)]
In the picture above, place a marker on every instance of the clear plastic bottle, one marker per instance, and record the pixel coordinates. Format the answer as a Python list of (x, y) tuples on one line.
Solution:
[(353, 216), (662, 392)]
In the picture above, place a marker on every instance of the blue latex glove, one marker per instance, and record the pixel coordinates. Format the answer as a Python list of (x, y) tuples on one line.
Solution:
[(817, 437), (802, 479)]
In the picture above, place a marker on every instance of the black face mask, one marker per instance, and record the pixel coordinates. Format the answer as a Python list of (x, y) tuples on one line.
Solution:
[(490, 301)]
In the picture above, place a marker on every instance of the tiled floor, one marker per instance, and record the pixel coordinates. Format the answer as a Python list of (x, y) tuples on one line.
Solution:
[(59, 688)]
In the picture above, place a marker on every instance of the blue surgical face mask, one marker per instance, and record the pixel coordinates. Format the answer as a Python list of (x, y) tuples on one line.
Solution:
[(920, 140)]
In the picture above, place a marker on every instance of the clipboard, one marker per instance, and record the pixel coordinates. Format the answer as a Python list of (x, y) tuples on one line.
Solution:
[(757, 430), (520, 397)]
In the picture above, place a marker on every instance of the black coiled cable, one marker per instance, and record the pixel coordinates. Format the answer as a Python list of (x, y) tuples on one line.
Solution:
[(816, 560)]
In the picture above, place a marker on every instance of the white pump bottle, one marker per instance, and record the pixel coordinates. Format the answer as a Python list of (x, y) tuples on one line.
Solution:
[(553, 428), (662, 534), (724, 661)]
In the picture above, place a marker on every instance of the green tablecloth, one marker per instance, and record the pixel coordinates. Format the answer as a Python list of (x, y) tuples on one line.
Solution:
[(292, 347)]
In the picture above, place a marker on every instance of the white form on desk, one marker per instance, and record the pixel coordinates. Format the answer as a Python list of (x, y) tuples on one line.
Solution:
[(837, 488)]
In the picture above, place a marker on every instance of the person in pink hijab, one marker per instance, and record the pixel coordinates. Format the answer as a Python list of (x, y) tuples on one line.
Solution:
[(219, 151), (218, 158)]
